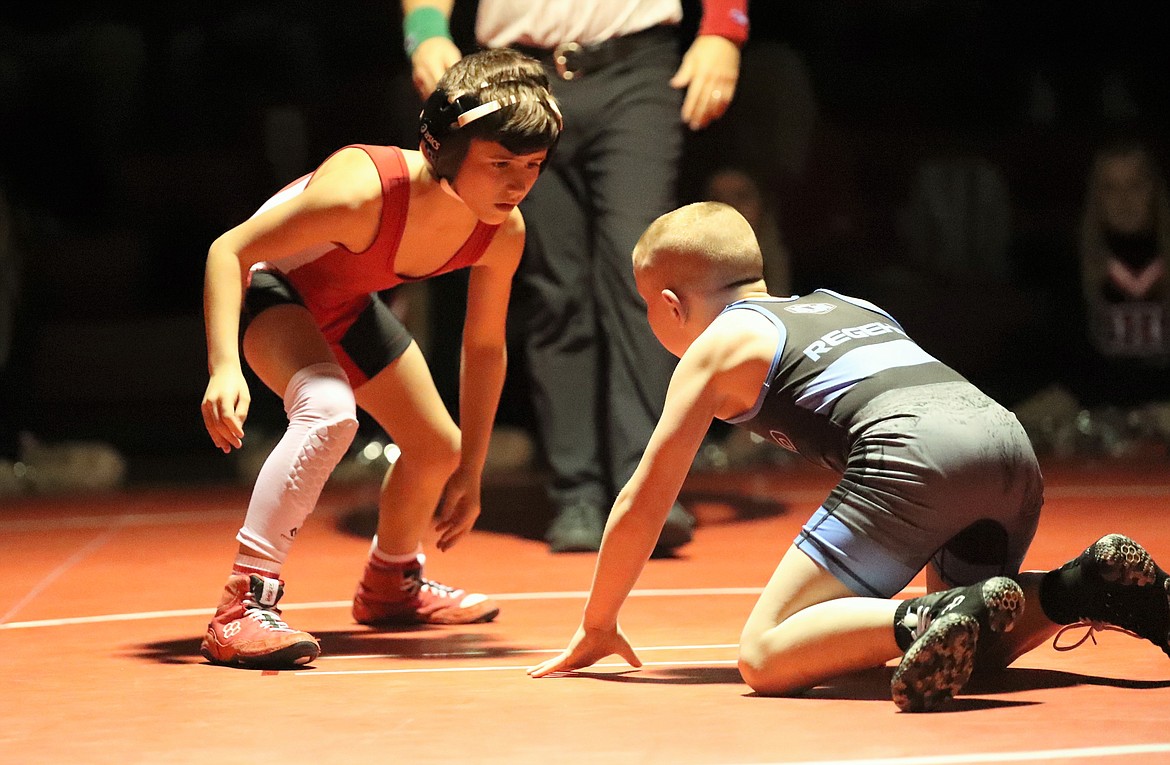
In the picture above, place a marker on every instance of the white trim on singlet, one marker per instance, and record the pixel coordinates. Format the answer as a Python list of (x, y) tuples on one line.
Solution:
[(284, 195), (307, 255), (844, 373), (783, 330), (860, 304)]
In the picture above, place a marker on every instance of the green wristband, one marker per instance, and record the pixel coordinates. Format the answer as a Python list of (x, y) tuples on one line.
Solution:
[(422, 24)]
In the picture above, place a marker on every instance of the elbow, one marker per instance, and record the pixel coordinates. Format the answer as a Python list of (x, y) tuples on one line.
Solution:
[(221, 254), (226, 254)]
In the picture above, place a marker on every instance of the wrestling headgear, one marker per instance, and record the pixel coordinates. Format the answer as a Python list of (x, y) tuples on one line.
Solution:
[(447, 125)]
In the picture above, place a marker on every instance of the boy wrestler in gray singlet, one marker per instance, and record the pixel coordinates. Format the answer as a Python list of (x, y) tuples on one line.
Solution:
[(934, 475)]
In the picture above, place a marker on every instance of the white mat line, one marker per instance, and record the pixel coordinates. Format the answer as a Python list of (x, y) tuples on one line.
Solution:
[(499, 668), (326, 604), (1038, 755), (475, 654), (56, 573), (127, 519), (565, 595)]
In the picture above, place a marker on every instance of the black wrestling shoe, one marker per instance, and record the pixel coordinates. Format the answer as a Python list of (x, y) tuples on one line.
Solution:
[(945, 627), (1115, 584), (577, 528)]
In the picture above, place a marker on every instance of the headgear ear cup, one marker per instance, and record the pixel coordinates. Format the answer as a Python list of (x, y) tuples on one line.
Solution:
[(441, 139), (438, 125), (430, 131)]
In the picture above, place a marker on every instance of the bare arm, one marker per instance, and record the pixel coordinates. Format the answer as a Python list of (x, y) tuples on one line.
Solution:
[(433, 55), (710, 66), (483, 365), (642, 505), (721, 374), (638, 515), (342, 204)]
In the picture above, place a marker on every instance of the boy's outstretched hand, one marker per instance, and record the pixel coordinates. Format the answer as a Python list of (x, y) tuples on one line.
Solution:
[(588, 647)]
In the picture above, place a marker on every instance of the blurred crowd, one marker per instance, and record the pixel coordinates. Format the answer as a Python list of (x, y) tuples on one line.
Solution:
[(1012, 208)]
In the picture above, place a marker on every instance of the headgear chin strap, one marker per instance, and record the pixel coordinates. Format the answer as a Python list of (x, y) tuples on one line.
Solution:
[(442, 117)]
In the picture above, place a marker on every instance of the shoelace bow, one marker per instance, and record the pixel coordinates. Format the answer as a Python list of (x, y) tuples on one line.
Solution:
[(1091, 628)]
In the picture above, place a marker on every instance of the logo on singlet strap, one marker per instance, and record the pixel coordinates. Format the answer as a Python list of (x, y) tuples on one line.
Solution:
[(814, 308), (782, 439)]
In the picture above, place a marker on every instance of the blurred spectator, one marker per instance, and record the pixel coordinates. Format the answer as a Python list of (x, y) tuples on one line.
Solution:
[(736, 187), (955, 259), (778, 133), (1115, 392), (958, 220), (727, 447), (1124, 249)]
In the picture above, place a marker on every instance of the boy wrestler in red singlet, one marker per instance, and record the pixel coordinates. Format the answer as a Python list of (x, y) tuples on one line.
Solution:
[(303, 274)]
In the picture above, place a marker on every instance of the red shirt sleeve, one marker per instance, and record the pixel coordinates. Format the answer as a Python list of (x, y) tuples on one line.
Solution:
[(725, 18)]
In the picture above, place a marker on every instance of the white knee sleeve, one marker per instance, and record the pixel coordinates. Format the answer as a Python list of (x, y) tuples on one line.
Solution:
[(322, 421)]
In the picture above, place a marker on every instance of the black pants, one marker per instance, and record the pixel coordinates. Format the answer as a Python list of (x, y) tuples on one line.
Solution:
[(597, 373)]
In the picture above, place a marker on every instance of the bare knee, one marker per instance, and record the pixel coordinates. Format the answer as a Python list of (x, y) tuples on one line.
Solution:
[(751, 674), (756, 664), (764, 676), (760, 668), (437, 455)]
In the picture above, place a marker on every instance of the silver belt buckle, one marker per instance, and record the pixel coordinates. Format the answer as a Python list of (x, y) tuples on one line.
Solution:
[(561, 59)]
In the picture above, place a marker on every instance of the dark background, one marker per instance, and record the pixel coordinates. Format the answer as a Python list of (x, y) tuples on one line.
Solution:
[(132, 137)]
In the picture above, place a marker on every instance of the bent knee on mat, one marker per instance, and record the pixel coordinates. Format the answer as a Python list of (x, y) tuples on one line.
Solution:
[(771, 677)]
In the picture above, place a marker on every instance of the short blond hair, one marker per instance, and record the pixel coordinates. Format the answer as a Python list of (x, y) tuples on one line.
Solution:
[(702, 246)]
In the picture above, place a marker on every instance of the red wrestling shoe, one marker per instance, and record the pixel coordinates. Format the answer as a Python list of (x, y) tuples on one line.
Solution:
[(393, 594), (247, 631)]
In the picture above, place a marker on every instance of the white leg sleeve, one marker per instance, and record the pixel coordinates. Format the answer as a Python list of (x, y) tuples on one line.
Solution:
[(322, 421)]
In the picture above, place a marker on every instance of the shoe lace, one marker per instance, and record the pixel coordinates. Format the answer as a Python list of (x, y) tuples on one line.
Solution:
[(442, 590), (1091, 627), (268, 618), (923, 619), (414, 582)]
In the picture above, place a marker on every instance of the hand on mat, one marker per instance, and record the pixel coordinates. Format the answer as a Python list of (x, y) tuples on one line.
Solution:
[(588, 647)]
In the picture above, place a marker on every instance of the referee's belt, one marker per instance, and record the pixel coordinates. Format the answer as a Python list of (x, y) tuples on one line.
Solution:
[(572, 59)]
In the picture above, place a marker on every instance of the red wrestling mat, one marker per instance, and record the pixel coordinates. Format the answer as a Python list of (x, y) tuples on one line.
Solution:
[(103, 601)]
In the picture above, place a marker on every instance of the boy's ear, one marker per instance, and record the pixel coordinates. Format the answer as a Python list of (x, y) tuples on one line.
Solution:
[(676, 305)]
